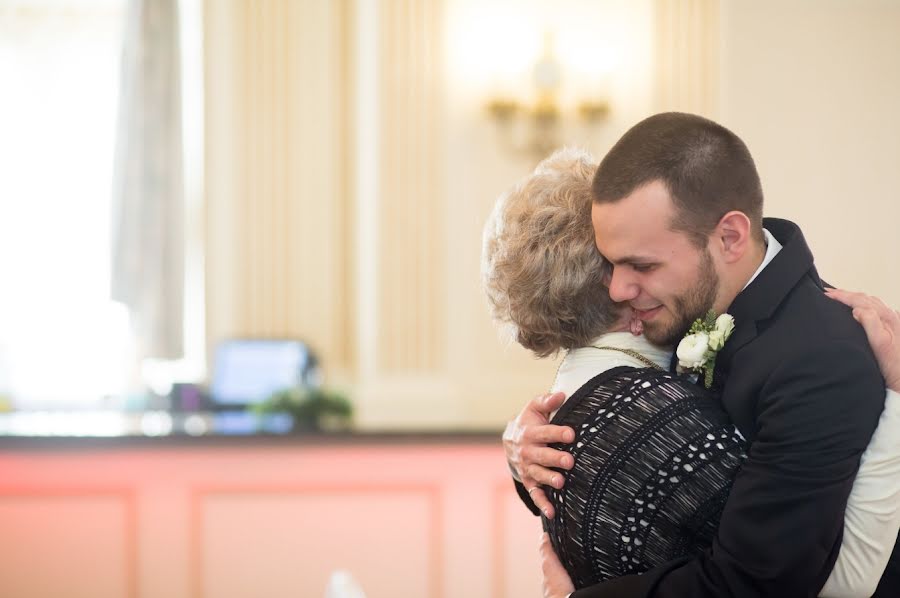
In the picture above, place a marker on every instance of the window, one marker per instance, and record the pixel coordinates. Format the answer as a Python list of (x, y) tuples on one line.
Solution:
[(62, 340)]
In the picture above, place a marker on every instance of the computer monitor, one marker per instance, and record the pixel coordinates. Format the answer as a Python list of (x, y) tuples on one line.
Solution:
[(248, 371)]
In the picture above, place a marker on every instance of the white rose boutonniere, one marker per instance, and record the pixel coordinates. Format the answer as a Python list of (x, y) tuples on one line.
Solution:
[(692, 350), (698, 349)]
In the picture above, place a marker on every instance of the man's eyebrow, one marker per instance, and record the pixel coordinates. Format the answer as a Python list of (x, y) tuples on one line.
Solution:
[(632, 259)]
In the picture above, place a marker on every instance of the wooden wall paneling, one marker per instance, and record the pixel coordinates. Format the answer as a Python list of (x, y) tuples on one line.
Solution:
[(287, 541), (516, 571), (52, 536), (407, 519)]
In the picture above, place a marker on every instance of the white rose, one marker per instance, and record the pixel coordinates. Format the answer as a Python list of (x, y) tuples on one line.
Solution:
[(725, 324), (692, 349)]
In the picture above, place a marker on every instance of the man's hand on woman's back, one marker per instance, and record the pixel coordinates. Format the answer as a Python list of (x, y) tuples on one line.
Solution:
[(525, 441)]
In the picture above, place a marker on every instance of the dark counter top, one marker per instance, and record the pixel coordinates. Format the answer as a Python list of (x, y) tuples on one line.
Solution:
[(356, 438), (153, 429)]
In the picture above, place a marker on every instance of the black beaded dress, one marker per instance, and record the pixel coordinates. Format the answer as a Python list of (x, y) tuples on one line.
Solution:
[(655, 457)]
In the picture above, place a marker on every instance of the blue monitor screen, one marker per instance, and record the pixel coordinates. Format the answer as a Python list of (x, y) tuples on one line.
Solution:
[(250, 370)]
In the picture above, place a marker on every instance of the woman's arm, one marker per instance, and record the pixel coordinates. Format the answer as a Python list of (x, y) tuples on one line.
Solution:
[(872, 518)]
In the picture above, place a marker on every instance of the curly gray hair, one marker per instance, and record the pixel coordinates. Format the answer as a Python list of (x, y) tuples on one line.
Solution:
[(541, 270)]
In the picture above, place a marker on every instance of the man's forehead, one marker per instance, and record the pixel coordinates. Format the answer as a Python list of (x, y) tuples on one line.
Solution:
[(640, 239), (628, 231), (647, 207)]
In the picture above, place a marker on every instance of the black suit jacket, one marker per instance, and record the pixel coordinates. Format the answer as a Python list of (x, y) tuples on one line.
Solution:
[(801, 384)]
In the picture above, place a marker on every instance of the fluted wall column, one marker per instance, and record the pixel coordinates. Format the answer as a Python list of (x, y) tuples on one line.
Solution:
[(401, 200), (277, 197), (411, 241), (688, 56)]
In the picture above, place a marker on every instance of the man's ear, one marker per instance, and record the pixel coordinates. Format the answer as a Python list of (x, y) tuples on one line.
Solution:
[(732, 236)]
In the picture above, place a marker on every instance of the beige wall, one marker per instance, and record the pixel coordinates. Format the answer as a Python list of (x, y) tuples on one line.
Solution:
[(351, 164), (813, 87)]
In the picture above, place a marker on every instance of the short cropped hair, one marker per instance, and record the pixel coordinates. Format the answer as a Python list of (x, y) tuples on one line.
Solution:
[(541, 269), (707, 170)]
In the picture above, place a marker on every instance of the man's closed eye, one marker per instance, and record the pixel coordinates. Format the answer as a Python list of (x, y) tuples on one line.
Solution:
[(643, 267)]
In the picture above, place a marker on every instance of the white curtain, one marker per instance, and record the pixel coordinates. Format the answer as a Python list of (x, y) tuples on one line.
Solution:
[(148, 190)]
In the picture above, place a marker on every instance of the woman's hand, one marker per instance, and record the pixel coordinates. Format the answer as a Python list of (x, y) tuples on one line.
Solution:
[(882, 326)]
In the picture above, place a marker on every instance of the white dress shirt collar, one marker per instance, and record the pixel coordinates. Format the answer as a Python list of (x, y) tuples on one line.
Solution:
[(772, 249)]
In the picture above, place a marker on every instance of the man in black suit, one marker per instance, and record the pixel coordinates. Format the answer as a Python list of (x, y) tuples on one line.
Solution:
[(678, 214)]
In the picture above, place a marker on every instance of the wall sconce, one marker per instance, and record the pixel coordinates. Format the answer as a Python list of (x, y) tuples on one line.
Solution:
[(534, 129)]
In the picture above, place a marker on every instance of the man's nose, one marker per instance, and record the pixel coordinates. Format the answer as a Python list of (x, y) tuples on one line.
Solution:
[(622, 287)]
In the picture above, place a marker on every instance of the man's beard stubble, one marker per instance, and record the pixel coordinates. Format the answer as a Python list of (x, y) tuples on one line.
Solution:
[(693, 304)]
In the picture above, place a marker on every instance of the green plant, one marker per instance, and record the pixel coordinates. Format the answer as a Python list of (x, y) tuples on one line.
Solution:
[(315, 408)]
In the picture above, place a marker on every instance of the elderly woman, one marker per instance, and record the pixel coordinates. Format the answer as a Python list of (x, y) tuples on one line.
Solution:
[(654, 454)]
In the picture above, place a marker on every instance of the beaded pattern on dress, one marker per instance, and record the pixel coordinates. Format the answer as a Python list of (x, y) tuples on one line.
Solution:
[(655, 457)]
